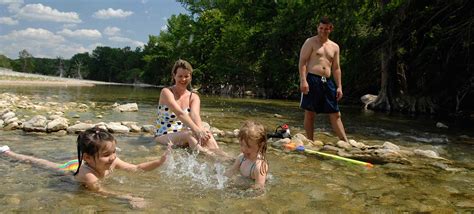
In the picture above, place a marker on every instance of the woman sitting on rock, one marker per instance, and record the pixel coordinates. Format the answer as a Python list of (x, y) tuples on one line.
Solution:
[(178, 119)]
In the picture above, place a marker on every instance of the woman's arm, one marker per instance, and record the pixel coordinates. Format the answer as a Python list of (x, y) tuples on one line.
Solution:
[(195, 105), (195, 114)]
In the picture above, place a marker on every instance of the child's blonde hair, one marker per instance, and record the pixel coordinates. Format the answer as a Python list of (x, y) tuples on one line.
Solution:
[(254, 132)]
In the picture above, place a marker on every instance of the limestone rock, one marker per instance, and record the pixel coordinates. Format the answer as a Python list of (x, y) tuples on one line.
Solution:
[(427, 153), (8, 115), (129, 107), (36, 124), (117, 128), (148, 128), (79, 127), (390, 146), (441, 125), (57, 124)]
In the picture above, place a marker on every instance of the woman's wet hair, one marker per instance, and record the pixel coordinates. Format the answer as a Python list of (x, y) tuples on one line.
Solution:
[(91, 141), (254, 132)]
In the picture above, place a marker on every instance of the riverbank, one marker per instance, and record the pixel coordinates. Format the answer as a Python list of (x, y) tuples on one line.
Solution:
[(10, 77)]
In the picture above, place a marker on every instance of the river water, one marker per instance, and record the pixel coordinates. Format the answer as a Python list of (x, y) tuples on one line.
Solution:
[(189, 183)]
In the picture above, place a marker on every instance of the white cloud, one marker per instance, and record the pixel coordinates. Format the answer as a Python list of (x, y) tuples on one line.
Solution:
[(8, 21), (111, 31), (81, 33), (44, 13), (111, 13), (13, 5), (34, 34), (11, 1), (126, 41), (37, 41)]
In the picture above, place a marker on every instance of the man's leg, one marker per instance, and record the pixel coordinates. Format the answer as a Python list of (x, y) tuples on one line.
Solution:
[(309, 123), (337, 126)]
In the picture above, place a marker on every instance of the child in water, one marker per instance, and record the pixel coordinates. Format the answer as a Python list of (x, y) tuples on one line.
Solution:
[(96, 160), (252, 162)]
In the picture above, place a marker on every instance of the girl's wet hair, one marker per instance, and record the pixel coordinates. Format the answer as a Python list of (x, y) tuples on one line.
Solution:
[(91, 141), (254, 132)]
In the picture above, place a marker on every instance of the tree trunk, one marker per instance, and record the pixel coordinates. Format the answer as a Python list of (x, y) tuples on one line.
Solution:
[(383, 99)]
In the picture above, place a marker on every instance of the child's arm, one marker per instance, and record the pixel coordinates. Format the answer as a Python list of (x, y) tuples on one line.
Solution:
[(146, 166), (91, 183), (234, 168), (260, 178)]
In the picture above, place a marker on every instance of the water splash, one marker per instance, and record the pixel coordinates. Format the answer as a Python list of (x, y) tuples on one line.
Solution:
[(186, 166)]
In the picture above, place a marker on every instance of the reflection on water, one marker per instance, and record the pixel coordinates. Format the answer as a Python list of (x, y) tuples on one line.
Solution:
[(298, 183)]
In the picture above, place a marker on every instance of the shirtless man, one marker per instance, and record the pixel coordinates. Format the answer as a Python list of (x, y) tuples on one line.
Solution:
[(318, 56)]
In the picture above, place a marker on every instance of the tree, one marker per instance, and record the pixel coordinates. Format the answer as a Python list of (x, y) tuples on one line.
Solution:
[(26, 60), (80, 63)]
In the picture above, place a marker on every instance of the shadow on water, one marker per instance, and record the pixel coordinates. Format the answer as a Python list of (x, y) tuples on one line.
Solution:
[(189, 183)]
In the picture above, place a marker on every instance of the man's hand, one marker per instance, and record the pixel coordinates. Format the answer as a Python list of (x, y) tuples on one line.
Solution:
[(304, 88), (338, 94)]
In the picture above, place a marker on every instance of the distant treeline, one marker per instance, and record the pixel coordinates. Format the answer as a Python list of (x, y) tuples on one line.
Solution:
[(415, 54)]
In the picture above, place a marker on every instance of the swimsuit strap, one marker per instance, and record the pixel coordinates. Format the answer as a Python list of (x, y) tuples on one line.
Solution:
[(252, 168), (242, 160)]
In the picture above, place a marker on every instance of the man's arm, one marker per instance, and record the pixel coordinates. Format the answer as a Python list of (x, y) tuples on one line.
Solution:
[(337, 73), (305, 53)]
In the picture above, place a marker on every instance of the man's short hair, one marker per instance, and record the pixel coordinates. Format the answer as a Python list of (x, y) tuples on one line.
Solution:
[(325, 20)]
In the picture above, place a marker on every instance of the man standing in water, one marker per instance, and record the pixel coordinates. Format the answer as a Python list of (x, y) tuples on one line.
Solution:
[(318, 57)]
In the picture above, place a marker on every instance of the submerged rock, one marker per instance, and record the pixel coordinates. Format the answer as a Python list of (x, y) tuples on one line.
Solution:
[(427, 153), (441, 125)]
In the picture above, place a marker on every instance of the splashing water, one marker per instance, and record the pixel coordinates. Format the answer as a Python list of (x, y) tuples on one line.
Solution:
[(185, 165)]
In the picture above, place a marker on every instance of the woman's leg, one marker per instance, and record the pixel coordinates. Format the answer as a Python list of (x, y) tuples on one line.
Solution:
[(182, 138), (30, 159), (212, 145)]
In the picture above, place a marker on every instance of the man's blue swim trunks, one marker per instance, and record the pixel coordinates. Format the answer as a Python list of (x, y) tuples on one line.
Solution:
[(321, 97)]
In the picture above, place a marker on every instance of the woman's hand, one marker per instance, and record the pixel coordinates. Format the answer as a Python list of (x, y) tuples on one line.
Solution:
[(202, 136)]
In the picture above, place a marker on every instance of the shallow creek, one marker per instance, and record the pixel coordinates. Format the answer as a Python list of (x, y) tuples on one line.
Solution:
[(189, 183)]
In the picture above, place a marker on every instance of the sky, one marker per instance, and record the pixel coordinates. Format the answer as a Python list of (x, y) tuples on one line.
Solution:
[(62, 28)]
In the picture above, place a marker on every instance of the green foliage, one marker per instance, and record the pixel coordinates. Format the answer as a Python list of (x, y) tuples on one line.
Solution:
[(5, 62)]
